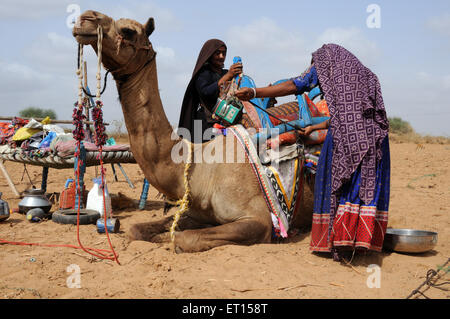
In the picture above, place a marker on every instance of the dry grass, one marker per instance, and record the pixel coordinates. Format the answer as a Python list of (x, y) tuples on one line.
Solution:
[(401, 131), (121, 138), (416, 138)]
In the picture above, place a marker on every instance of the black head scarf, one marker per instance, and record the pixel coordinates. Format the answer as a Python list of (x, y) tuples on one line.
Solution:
[(191, 99)]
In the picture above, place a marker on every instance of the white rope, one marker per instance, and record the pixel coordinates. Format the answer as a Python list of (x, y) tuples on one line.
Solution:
[(79, 73), (80, 70), (99, 59)]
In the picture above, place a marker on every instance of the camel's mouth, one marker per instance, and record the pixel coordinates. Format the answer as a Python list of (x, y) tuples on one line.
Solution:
[(84, 37), (85, 28)]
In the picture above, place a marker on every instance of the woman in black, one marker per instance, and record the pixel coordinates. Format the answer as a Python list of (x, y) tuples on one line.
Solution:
[(204, 87)]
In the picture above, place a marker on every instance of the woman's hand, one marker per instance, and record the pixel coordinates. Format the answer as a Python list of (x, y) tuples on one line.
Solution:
[(306, 131), (309, 129), (245, 94), (235, 69)]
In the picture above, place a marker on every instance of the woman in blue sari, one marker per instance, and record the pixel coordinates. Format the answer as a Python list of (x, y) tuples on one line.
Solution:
[(351, 195)]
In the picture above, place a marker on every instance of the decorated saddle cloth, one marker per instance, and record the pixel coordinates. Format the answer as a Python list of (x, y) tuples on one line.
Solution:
[(280, 176), (288, 112)]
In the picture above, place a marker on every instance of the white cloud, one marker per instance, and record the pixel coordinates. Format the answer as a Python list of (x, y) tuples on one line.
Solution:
[(47, 79), (174, 74), (424, 76), (261, 34), (18, 78), (353, 40), (53, 52), (440, 24), (24, 86), (419, 98), (141, 11), (47, 74), (53, 59), (269, 52), (166, 53), (29, 9), (446, 82), (433, 82)]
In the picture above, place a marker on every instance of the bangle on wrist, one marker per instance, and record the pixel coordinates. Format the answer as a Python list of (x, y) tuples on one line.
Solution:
[(254, 93)]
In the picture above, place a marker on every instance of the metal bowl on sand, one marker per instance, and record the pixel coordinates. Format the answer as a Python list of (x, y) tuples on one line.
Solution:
[(409, 240)]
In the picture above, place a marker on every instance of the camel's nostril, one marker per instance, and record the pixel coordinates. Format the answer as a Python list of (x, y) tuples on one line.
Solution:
[(89, 16), (78, 23)]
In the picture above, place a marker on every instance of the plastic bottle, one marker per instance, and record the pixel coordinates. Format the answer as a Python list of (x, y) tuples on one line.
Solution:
[(95, 198)]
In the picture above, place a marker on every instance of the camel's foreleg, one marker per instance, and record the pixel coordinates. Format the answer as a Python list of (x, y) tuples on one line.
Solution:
[(146, 231), (241, 232), (158, 231)]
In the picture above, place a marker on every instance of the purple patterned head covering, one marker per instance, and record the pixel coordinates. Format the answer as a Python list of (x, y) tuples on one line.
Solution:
[(358, 120)]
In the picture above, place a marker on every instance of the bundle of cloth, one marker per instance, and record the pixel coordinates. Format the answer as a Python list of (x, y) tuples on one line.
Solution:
[(39, 139), (29, 136)]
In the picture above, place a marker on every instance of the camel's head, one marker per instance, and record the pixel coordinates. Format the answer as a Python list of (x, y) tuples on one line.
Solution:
[(125, 46)]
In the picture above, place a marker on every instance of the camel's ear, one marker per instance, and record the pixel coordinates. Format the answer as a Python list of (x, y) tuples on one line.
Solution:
[(150, 26)]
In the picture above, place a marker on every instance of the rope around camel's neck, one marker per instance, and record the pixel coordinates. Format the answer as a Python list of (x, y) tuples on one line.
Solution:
[(80, 70), (184, 202)]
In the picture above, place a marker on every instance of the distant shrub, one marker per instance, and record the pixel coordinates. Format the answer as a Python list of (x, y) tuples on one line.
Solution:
[(401, 131), (399, 126), (36, 112), (118, 131)]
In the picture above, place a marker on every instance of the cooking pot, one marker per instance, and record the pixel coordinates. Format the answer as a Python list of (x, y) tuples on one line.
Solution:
[(34, 198), (4, 209)]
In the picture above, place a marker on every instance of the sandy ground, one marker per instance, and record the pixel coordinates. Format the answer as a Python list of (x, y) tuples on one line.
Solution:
[(420, 199)]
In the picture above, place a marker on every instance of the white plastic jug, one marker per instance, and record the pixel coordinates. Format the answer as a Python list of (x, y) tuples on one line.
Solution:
[(95, 198)]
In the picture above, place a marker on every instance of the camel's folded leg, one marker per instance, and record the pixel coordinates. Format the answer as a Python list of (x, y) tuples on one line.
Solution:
[(146, 231), (158, 232), (241, 232)]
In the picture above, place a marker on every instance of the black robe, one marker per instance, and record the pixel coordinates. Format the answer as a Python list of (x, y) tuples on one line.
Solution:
[(203, 80)]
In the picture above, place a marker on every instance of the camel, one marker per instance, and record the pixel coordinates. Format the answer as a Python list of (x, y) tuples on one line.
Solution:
[(226, 202)]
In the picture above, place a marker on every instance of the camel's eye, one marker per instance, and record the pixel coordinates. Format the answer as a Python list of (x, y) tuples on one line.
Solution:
[(128, 33)]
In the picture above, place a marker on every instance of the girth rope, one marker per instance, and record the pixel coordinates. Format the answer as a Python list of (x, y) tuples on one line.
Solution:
[(183, 202), (100, 140)]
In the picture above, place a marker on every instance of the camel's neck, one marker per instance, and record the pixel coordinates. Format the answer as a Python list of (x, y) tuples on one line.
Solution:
[(150, 133)]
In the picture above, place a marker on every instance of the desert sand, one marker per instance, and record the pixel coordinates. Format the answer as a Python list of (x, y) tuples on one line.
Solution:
[(420, 199)]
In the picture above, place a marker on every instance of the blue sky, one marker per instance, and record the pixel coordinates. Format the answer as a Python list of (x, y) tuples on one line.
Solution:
[(410, 52)]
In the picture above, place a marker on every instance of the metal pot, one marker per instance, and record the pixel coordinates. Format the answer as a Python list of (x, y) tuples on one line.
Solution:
[(409, 240), (4, 209), (34, 198)]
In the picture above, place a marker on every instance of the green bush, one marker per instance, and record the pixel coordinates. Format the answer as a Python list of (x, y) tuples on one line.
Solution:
[(398, 126), (36, 112)]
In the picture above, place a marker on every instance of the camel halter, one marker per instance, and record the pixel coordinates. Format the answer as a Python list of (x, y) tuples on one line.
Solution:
[(100, 139), (81, 88), (119, 41)]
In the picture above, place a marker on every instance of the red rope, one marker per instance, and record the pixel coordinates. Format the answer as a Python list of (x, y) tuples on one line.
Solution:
[(101, 254), (3, 241), (100, 140), (100, 137)]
